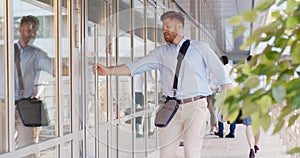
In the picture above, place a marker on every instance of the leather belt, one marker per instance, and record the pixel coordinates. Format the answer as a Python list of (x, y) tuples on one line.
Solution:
[(2, 101), (187, 100)]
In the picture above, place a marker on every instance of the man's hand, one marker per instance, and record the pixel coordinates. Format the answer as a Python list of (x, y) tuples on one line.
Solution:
[(226, 86), (102, 70)]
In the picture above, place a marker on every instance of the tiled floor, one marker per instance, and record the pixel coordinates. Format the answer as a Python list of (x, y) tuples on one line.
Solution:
[(214, 147)]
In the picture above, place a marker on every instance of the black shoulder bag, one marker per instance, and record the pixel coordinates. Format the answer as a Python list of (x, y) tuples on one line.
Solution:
[(167, 111), (32, 110)]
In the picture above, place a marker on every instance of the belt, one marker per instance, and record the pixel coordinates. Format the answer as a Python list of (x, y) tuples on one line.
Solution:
[(2, 101), (187, 100)]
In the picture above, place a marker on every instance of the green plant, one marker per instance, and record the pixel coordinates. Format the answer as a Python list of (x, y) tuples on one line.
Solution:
[(282, 88)]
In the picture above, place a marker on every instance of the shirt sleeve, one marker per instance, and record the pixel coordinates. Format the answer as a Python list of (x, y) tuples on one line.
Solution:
[(45, 63), (146, 63), (214, 65)]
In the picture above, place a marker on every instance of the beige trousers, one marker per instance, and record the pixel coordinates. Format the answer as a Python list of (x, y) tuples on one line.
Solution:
[(189, 124), (24, 135)]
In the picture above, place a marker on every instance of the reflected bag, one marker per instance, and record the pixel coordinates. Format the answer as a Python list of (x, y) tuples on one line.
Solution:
[(166, 112), (32, 112)]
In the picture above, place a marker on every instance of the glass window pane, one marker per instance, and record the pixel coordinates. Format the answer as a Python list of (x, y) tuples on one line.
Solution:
[(3, 107), (151, 92), (124, 105), (52, 152), (36, 43), (139, 80), (67, 150), (65, 85)]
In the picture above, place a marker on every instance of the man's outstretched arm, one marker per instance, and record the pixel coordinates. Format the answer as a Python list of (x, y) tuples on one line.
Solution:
[(102, 70)]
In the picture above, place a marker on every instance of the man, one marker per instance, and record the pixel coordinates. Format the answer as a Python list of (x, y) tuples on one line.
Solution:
[(32, 60), (232, 126), (139, 102), (193, 86)]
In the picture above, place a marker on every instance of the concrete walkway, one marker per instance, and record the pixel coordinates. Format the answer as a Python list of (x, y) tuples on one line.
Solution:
[(214, 147)]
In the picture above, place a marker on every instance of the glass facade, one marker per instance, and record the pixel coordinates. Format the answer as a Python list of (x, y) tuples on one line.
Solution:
[(3, 77)]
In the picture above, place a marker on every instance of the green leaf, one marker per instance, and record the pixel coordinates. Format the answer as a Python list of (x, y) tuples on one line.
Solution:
[(280, 42), (265, 103), (278, 126), (294, 150), (250, 16), (273, 55), (284, 64), (296, 102), (252, 38), (265, 60), (249, 108), (255, 122), (233, 115), (292, 22), (246, 70), (296, 54), (266, 38), (291, 5), (263, 69), (220, 100), (273, 27), (252, 82), (241, 78), (239, 31), (294, 84), (236, 20), (267, 49), (265, 122), (263, 5), (285, 75), (293, 119), (278, 93), (285, 111), (275, 14)]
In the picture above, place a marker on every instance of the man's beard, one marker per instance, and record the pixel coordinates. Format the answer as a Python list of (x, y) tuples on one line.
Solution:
[(170, 37)]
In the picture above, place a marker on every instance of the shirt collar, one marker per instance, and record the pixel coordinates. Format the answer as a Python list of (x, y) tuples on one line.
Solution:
[(179, 44), (19, 45)]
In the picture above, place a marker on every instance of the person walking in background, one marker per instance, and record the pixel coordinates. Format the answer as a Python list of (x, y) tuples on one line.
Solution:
[(139, 101), (210, 104), (232, 126), (193, 87), (252, 139), (140, 104)]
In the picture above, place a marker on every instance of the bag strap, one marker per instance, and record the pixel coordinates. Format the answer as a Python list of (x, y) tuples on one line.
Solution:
[(180, 57), (17, 62)]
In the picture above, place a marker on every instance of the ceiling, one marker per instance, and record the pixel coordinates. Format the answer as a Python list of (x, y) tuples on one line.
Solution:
[(214, 15), (219, 12)]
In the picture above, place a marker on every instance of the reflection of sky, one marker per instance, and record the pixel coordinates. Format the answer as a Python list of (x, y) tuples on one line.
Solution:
[(22, 8)]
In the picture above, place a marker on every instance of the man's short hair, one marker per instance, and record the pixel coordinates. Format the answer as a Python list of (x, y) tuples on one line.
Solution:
[(249, 58), (224, 59), (30, 18), (173, 15)]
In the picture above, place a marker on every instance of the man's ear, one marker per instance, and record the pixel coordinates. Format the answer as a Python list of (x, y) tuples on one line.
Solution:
[(180, 26)]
